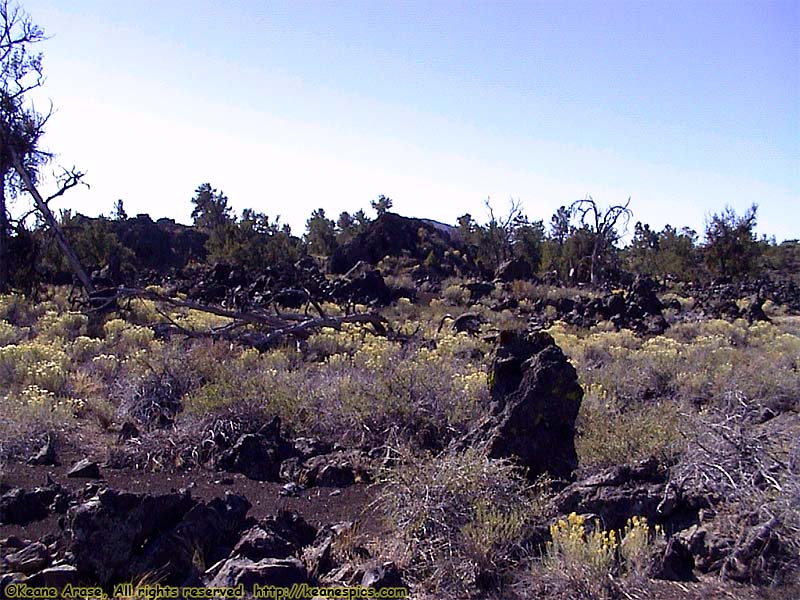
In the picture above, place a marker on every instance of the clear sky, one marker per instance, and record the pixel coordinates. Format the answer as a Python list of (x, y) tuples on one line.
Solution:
[(683, 106)]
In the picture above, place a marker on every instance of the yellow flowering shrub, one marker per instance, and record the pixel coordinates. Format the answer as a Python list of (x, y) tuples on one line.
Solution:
[(85, 348), (637, 538), (34, 405), (699, 361), (195, 320), (9, 334), (33, 363), (328, 341), (595, 552), (106, 364), (125, 339), (34, 396), (144, 311), (573, 547), (456, 295), (61, 327), (227, 375)]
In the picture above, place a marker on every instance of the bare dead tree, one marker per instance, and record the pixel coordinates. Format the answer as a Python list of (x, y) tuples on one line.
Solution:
[(500, 230), (602, 223)]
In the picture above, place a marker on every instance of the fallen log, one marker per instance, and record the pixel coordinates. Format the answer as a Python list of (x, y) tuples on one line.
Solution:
[(257, 329)]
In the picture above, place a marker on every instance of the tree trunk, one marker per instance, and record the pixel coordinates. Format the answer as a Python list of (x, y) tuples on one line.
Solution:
[(593, 267), (41, 204), (4, 238)]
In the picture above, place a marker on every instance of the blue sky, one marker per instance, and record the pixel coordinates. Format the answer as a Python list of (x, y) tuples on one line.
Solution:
[(683, 106)]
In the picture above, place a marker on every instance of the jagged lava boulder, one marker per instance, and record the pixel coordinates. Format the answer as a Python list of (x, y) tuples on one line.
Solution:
[(119, 536), (535, 401), (513, 269)]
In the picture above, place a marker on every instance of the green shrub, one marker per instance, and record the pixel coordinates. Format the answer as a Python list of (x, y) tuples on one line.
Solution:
[(9, 334), (608, 435), (455, 295)]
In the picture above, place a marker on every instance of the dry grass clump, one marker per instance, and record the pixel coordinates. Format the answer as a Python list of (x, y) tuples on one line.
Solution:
[(385, 390), (701, 361), (642, 395), (751, 471), (608, 435), (360, 390), (459, 518)]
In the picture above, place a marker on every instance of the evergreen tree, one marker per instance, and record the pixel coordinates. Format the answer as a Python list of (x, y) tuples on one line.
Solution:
[(731, 249), (320, 233)]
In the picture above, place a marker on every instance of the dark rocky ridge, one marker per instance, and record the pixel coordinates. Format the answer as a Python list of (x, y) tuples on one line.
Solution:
[(392, 235)]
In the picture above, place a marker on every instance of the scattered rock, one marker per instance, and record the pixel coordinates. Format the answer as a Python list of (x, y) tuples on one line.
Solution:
[(478, 289), (262, 541), (208, 530), (85, 468), (46, 455), (338, 469), (641, 489), (391, 235), (468, 323), (280, 572), (506, 304), (291, 489), (368, 287), (57, 577), (308, 447), (30, 559), (258, 455), (318, 557), (346, 575), (292, 527), (672, 561), (386, 575), (18, 507), (107, 532), (638, 308)]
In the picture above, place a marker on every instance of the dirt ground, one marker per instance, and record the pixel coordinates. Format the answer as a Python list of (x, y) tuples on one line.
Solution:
[(318, 505)]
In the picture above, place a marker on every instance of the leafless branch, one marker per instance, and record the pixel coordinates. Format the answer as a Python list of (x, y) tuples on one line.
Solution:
[(68, 180), (263, 330)]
